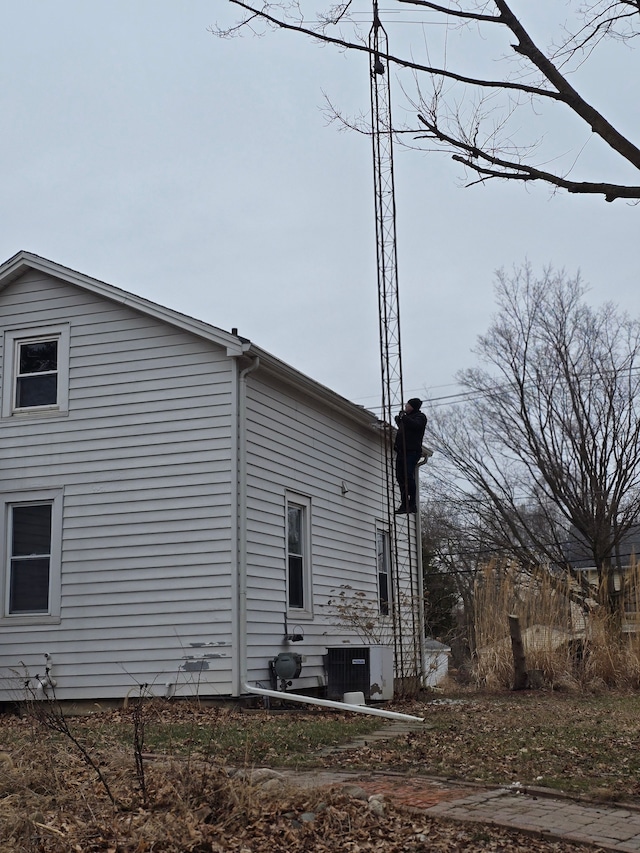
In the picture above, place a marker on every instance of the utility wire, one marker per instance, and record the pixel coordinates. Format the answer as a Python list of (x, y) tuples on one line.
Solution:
[(473, 395)]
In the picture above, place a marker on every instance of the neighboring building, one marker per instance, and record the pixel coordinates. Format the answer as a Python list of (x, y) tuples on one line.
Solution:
[(436, 662), (175, 500), (625, 574)]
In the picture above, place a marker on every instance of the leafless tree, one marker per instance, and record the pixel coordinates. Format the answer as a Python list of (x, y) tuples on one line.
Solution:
[(543, 458), (474, 115), (452, 557)]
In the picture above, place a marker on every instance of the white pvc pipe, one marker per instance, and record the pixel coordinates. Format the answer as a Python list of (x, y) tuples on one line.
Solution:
[(328, 703)]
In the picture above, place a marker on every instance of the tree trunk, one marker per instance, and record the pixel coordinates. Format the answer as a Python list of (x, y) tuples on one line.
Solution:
[(521, 677)]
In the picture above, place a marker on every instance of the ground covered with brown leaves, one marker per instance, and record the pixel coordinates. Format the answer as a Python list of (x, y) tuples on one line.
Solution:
[(576, 743), (56, 806), (60, 796)]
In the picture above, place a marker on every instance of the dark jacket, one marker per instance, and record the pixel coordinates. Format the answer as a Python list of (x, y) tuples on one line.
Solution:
[(411, 427)]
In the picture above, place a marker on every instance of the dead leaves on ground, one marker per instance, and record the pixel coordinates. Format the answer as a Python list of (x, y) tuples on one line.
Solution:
[(51, 802)]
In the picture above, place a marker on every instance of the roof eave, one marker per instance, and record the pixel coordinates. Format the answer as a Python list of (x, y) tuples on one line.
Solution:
[(23, 261)]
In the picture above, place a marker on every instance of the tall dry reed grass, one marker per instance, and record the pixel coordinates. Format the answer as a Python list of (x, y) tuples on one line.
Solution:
[(565, 646)]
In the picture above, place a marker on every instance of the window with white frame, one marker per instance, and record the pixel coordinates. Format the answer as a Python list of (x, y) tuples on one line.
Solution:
[(32, 556), (298, 554), (36, 371), (383, 561)]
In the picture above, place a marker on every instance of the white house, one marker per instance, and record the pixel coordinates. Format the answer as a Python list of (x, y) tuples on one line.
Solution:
[(176, 502)]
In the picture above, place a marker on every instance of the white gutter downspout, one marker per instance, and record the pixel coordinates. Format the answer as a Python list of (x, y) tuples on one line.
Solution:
[(241, 644), (328, 703)]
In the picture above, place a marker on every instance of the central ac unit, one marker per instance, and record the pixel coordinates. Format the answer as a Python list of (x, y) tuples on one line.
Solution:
[(364, 669)]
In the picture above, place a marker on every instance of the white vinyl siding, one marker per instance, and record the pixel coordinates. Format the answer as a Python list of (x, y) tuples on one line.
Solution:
[(297, 445), (143, 456)]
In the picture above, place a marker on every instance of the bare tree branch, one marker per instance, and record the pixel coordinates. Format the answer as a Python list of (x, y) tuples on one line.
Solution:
[(400, 61), (550, 445), (567, 93), (454, 13), (448, 129), (512, 170)]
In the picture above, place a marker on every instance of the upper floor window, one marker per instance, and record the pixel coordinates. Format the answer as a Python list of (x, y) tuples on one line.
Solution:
[(36, 371), (298, 553)]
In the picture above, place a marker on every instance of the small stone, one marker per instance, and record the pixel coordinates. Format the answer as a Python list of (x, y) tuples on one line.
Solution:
[(258, 775), (272, 785), (355, 791), (376, 806), (263, 773), (307, 817)]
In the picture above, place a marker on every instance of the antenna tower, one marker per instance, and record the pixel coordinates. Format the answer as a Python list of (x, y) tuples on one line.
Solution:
[(405, 606)]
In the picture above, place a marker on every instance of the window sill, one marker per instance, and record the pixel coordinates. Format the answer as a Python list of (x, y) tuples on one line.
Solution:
[(295, 613), (28, 620), (44, 412)]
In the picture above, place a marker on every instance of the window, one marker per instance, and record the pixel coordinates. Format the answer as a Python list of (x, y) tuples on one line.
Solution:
[(31, 535), (298, 554), (383, 560), (36, 371), (30, 558), (295, 555)]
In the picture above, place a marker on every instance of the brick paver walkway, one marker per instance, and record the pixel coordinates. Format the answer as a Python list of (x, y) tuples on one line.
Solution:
[(607, 827), (602, 826)]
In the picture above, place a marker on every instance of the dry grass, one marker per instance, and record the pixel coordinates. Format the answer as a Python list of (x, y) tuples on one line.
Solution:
[(51, 801), (570, 650), (572, 741), (580, 736)]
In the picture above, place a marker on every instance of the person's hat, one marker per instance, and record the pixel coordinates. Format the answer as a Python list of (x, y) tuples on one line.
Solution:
[(415, 403)]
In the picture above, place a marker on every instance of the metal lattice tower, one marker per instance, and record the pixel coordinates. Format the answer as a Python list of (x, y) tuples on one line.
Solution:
[(402, 532)]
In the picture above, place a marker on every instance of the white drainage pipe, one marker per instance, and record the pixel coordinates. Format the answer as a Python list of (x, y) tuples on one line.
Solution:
[(328, 703)]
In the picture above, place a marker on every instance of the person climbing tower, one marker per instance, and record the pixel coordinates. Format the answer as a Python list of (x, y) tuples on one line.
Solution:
[(411, 423)]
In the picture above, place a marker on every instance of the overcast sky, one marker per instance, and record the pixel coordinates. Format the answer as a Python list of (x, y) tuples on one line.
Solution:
[(202, 174)]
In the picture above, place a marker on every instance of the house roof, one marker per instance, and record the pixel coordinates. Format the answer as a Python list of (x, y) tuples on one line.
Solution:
[(578, 552), (432, 645), (234, 345)]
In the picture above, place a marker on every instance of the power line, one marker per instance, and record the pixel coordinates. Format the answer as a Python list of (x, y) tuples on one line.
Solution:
[(472, 396)]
